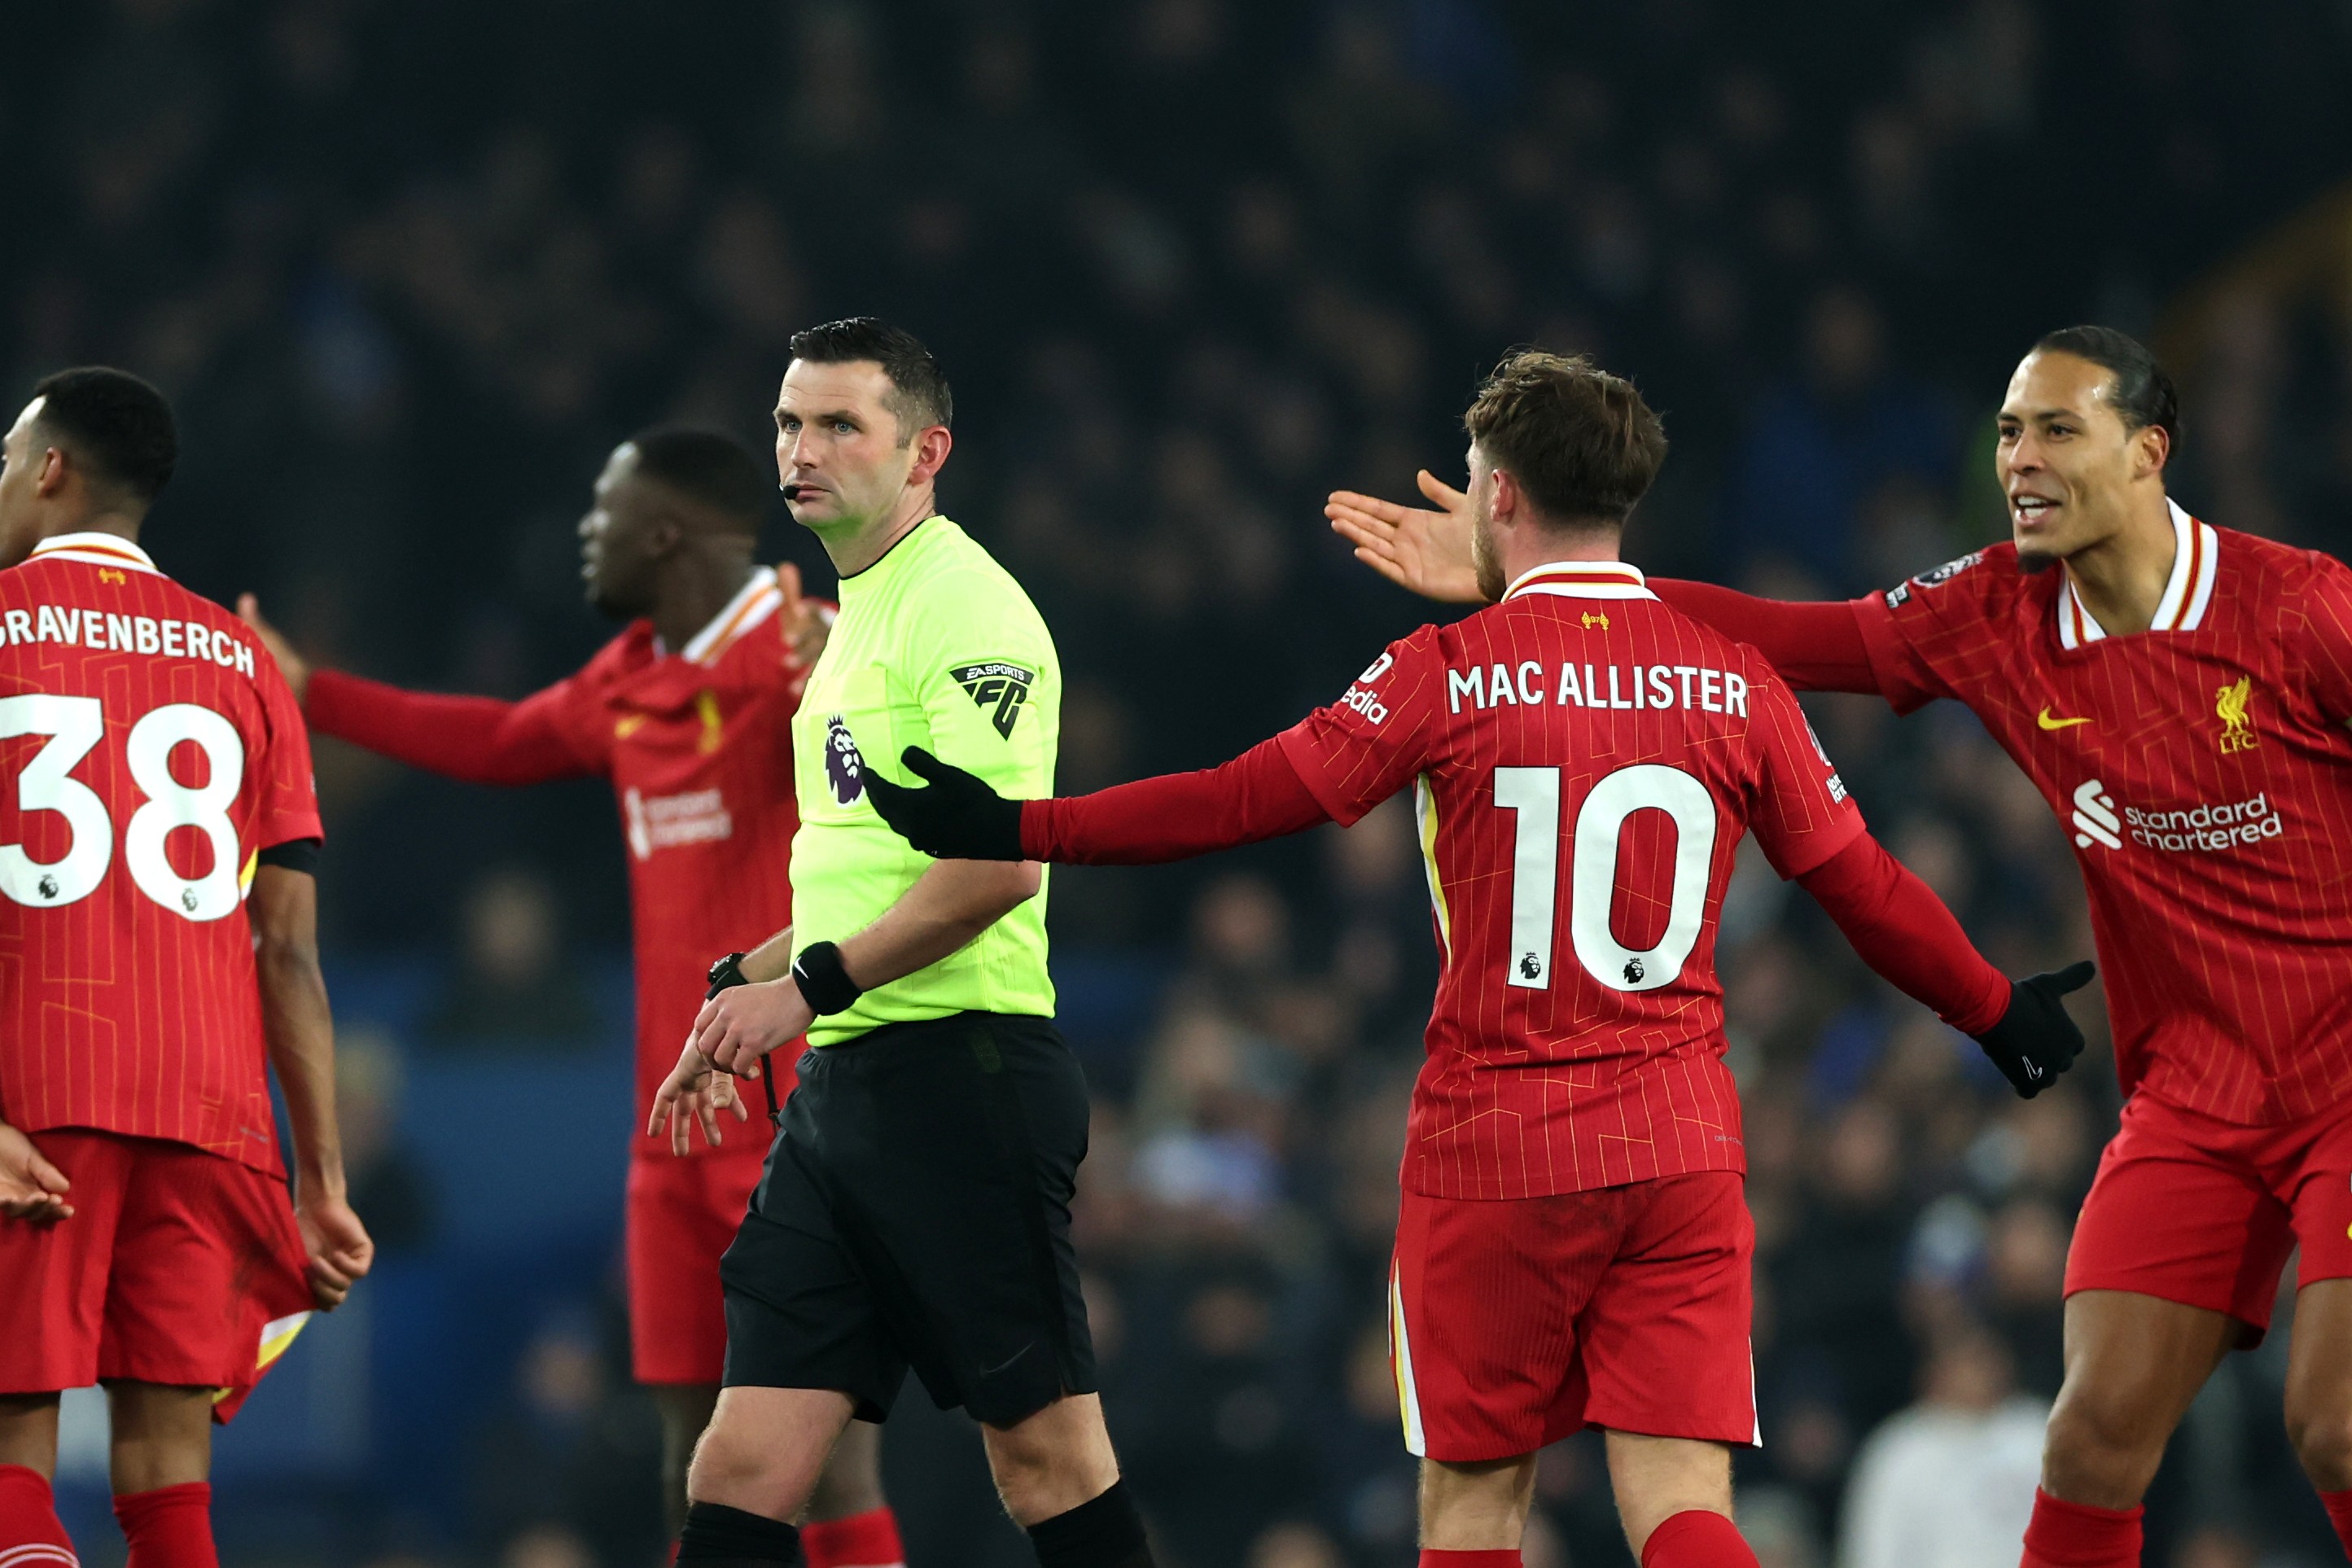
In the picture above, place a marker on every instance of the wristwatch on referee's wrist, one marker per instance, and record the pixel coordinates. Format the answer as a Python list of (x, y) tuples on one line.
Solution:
[(824, 984), (726, 975)]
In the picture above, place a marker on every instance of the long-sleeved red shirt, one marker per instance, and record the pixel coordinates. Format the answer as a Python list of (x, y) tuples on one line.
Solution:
[(1894, 920), (697, 746)]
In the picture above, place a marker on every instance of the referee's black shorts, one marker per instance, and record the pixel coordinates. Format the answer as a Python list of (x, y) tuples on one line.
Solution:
[(916, 1211)]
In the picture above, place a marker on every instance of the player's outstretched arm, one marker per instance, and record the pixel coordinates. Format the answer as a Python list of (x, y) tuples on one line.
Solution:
[(1414, 547), (956, 816), (1905, 934), (1816, 646), (284, 910), (31, 1189), (479, 739)]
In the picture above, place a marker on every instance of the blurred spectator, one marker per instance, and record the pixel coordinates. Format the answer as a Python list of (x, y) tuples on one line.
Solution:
[(569, 1464), (387, 1189), (1949, 1483), (514, 982)]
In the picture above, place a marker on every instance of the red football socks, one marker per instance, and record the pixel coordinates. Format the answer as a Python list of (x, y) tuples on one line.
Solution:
[(2339, 1514), (2064, 1534), (1697, 1539), (1507, 1558), (170, 1527), (869, 1539), (28, 1519)]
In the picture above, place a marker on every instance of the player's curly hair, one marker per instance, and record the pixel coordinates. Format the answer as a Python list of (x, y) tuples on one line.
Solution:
[(1579, 440), (114, 423)]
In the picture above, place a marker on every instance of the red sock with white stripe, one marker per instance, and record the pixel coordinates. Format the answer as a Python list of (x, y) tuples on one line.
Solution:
[(170, 1527), (869, 1539), (29, 1521), (2339, 1514), (2064, 1534), (1506, 1557), (1695, 1538)]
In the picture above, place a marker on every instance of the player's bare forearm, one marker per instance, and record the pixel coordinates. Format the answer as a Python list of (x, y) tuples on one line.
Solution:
[(297, 1021), (950, 904)]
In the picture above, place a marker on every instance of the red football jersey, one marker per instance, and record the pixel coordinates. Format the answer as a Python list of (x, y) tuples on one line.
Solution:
[(149, 752), (1584, 763), (697, 746), (2202, 770)]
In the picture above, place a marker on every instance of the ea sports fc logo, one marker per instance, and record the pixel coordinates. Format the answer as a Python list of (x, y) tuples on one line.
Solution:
[(844, 768)]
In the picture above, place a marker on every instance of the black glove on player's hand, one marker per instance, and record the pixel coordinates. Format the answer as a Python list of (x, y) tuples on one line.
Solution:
[(957, 817), (2035, 1040)]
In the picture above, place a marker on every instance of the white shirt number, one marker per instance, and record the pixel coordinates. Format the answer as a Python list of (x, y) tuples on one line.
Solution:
[(75, 725), (1534, 794)]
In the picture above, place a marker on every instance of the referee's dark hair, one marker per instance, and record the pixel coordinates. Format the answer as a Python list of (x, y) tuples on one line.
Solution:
[(711, 467), (116, 426), (2142, 394), (921, 398)]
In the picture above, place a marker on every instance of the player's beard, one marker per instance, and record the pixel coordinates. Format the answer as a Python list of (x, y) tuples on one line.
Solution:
[(1485, 564), (2033, 562)]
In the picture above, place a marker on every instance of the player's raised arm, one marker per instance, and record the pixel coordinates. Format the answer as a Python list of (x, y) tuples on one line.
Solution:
[(283, 909), (1414, 547), (479, 740)]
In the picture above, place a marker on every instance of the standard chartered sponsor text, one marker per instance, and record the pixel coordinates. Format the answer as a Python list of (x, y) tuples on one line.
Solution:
[(2205, 828)]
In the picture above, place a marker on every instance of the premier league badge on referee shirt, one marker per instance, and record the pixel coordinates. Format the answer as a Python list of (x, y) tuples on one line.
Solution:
[(844, 768)]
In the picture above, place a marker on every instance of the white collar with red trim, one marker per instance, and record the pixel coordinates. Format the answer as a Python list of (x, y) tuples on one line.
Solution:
[(96, 550), (1583, 580), (2196, 561), (754, 602)]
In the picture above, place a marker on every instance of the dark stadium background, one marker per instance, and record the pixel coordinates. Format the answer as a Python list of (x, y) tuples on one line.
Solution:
[(409, 270)]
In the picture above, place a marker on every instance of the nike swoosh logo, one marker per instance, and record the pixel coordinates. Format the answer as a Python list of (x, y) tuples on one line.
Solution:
[(2047, 722)]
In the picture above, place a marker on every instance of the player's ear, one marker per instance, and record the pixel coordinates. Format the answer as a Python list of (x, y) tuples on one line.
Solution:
[(52, 476), (2152, 448)]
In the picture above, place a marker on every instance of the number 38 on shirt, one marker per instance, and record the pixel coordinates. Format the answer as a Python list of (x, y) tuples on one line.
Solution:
[(74, 854)]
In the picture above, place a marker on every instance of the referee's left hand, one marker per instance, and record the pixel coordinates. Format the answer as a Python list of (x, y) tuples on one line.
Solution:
[(744, 1023)]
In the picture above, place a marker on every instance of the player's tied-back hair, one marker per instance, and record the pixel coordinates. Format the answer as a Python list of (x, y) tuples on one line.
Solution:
[(117, 427), (919, 395), (2142, 394), (708, 467), (1579, 440)]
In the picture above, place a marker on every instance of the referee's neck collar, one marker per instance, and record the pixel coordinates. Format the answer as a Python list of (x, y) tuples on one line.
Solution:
[(894, 545)]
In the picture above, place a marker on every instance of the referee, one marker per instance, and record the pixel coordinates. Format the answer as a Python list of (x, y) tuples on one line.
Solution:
[(916, 1209)]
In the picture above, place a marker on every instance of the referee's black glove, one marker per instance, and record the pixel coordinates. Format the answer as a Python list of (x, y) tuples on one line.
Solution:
[(957, 817), (2035, 1040)]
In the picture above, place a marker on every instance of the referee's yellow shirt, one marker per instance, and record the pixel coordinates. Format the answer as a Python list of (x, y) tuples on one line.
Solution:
[(936, 647)]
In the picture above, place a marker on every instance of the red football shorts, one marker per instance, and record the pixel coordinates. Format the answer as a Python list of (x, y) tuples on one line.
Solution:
[(1516, 1321), (178, 1266), (2205, 1212), (682, 1215)]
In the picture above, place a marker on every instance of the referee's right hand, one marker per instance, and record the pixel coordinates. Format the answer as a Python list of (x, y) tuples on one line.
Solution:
[(957, 817)]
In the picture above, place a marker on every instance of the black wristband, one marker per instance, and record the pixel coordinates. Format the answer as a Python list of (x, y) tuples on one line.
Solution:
[(824, 984), (725, 975)]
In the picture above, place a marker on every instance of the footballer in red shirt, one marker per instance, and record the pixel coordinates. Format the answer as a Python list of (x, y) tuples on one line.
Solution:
[(2179, 694), (1574, 1245), (157, 956), (687, 713)]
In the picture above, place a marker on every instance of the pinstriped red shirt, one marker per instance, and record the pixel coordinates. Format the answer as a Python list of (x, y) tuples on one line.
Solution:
[(1584, 763), (149, 752), (2201, 769)]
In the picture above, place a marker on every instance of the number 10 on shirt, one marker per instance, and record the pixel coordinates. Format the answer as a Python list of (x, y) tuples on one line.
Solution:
[(1533, 795)]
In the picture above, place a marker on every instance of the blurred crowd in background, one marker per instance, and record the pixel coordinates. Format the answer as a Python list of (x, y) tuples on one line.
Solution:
[(409, 271)]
